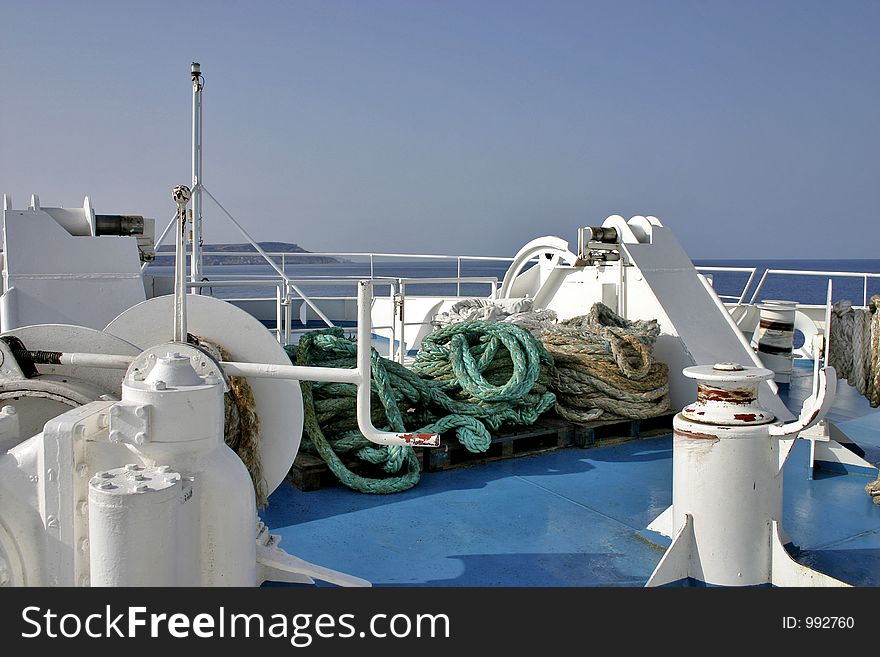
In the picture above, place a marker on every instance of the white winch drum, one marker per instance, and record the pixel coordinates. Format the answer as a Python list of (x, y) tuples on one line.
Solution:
[(279, 402), (774, 337), (58, 388)]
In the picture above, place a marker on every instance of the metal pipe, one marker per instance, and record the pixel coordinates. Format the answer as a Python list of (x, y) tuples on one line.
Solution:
[(365, 424), (196, 261), (181, 195), (288, 316), (291, 372), (279, 314), (78, 359), (760, 285), (359, 376), (746, 286), (401, 285)]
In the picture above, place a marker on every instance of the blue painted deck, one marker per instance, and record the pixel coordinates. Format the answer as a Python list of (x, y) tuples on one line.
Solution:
[(568, 518)]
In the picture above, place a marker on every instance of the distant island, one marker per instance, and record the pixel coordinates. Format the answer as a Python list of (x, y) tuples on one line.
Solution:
[(257, 259)]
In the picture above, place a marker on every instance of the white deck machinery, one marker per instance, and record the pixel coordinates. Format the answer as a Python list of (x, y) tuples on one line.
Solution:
[(729, 446), (727, 473), (638, 268), (139, 488)]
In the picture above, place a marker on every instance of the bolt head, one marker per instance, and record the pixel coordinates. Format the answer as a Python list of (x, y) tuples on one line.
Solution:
[(141, 488), (115, 436), (140, 438), (727, 367), (159, 385), (132, 467), (106, 485)]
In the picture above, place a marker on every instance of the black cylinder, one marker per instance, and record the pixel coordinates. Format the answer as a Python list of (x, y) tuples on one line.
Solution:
[(604, 235), (118, 224)]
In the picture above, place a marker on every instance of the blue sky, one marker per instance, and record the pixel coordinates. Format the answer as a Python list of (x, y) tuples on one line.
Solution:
[(749, 128)]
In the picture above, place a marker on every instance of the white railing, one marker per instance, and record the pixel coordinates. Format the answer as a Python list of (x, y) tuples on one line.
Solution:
[(289, 289), (740, 298), (865, 276), (751, 271)]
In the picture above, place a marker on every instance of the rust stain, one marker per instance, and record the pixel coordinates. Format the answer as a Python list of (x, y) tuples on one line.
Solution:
[(418, 438), (732, 396), (745, 417), (695, 434)]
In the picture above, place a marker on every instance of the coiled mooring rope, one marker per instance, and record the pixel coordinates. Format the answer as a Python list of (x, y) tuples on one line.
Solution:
[(854, 351), (472, 377), (854, 346), (605, 367), (241, 426)]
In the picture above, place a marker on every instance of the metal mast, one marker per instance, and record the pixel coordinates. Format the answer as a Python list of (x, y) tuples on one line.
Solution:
[(196, 260)]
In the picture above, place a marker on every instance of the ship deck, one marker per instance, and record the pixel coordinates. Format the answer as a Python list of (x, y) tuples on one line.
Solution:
[(572, 517)]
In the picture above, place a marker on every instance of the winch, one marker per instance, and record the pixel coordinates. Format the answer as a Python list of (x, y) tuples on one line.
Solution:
[(728, 457)]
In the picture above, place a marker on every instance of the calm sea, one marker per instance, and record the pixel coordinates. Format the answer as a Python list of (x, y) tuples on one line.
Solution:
[(312, 279)]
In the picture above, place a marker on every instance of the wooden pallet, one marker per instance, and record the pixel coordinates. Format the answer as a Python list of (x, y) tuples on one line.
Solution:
[(546, 434), (309, 472), (599, 433)]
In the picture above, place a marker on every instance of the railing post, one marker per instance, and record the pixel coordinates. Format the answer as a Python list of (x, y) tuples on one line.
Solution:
[(402, 349), (288, 317), (865, 292), (279, 320), (458, 276), (392, 294), (760, 285)]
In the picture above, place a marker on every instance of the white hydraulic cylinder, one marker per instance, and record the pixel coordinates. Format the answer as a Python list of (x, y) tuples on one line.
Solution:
[(143, 528)]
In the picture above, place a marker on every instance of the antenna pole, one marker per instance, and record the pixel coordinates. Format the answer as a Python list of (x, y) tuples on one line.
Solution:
[(196, 259)]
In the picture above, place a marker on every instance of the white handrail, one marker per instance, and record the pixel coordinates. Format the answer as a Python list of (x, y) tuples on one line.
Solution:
[(816, 273)]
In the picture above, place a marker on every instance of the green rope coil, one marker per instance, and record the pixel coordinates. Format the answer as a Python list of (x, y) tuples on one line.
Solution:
[(470, 378)]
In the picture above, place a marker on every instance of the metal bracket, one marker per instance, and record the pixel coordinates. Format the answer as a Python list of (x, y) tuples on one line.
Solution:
[(129, 423)]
